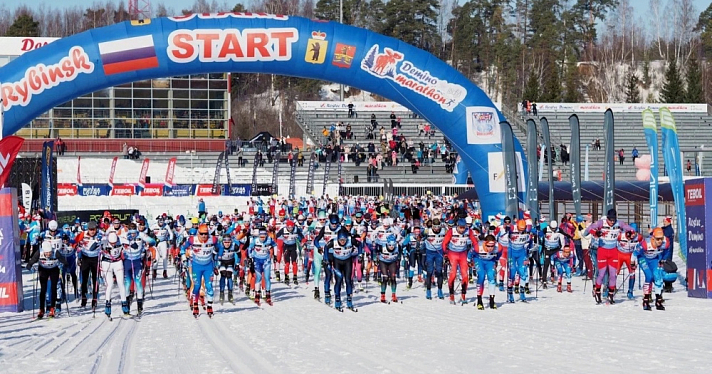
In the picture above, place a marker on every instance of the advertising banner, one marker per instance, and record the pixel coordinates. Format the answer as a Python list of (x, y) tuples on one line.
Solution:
[(179, 190), (122, 190), (206, 190), (112, 171), (94, 190), (11, 296), (144, 172), (240, 190), (9, 147), (68, 217), (66, 189), (47, 182), (152, 189), (698, 210), (650, 128), (170, 172), (263, 189)]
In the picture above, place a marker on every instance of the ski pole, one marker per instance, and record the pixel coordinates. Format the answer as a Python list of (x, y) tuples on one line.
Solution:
[(34, 294)]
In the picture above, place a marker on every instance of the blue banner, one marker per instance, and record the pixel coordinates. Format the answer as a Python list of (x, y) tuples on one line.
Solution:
[(94, 190), (459, 173), (179, 190), (47, 184), (240, 190), (673, 165), (650, 128)]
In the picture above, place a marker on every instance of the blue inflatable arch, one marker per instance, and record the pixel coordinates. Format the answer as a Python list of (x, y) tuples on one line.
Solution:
[(272, 44)]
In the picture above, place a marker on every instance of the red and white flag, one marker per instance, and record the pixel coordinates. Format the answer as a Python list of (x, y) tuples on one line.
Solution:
[(144, 171), (170, 171), (79, 170), (9, 147), (111, 173)]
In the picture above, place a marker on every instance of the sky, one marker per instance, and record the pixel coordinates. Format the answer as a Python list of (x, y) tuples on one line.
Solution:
[(641, 6)]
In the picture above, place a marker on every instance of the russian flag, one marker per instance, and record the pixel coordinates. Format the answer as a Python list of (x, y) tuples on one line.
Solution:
[(130, 54)]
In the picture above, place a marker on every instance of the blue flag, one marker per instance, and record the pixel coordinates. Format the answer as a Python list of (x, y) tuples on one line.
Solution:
[(673, 165), (650, 127)]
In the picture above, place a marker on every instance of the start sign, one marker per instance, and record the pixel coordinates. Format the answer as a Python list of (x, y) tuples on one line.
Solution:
[(232, 45)]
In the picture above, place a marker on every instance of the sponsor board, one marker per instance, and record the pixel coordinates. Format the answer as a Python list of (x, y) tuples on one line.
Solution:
[(206, 190), (240, 190), (617, 107), (392, 65), (68, 217), (16, 46), (66, 189), (122, 190), (94, 190), (179, 190), (483, 125), (371, 106), (153, 189), (220, 15)]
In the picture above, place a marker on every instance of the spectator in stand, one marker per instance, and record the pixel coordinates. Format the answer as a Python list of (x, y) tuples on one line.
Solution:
[(300, 158), (524, 105), (421, 129), (351, 110), (374, 123), (621, 156), (393, 119), (689, 167), (597, 144), (534, 111), (125, 151), (398, 123), (634, 153), (290, 158)]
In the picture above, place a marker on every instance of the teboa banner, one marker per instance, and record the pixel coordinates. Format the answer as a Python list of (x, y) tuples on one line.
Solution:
[(47, 182), (144, 172), (9, 147), (575, 152), (609, 176), (112, 171), (170, 172)]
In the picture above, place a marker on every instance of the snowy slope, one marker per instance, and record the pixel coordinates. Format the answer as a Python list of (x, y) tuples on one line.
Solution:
[(563, 332)]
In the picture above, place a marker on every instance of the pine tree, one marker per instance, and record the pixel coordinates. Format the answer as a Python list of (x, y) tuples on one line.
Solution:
[(632, 93), (552, 85), (694, 93), (646, 72), (572, 81), (531, 91), (25, 26), (673, 90)]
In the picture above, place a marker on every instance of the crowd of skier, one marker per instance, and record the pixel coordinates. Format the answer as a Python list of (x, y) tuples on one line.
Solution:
[(353, 240)]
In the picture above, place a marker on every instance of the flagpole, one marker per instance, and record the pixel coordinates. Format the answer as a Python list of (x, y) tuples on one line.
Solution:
[(2, 116)]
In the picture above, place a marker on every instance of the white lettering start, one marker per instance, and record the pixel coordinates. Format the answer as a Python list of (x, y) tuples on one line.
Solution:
[(231, 45), (41, 77)]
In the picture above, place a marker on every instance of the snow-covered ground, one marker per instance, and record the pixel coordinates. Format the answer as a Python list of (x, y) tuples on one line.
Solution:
[(554, 332)]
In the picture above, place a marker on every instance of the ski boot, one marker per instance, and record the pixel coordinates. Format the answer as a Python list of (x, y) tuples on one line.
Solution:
[(543, 285), (452, 299), (440, 294), (125, 308), (501, 286), (597, 295), (522, 295), (279, 277), (222, 297), (107, 309), (558, 287), (646, 302), (394, 298), (510, 295), (480, 306), (94, 303), (420, 278), (463, 299), (295, 281), (410, 283), (257, 298), (349, 303), (327, 298), (251, 294), (316, 293), (129, 299), (568, 288), (84, 302), (611, 293), (51, 313), (492, 304), (337, 303), (229, 296), (268, 298), (360, 286), (630, 294), (526, 289), (383, 297), (196, 310), (659, 302), (428, 295), (139, 306), (604, 293), (165, 274), (286, 279), (40, 314), (155, 273), (210, 309)]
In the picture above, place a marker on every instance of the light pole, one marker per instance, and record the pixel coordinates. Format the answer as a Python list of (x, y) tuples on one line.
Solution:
[(192, 171)]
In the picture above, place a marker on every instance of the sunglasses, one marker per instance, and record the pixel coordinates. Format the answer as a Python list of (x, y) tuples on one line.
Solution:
[(203, 233), (663, 238), (489, 245)]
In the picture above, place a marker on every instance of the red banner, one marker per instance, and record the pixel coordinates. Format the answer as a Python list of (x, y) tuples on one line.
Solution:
[(170, 171), (204, 190), (9, 147), (113, 169), (122, 190), (79, 170), (152, 190), (144, 171), (66, 189)]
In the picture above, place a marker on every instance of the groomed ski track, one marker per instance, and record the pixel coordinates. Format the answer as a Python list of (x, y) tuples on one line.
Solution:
[(299, 335)]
